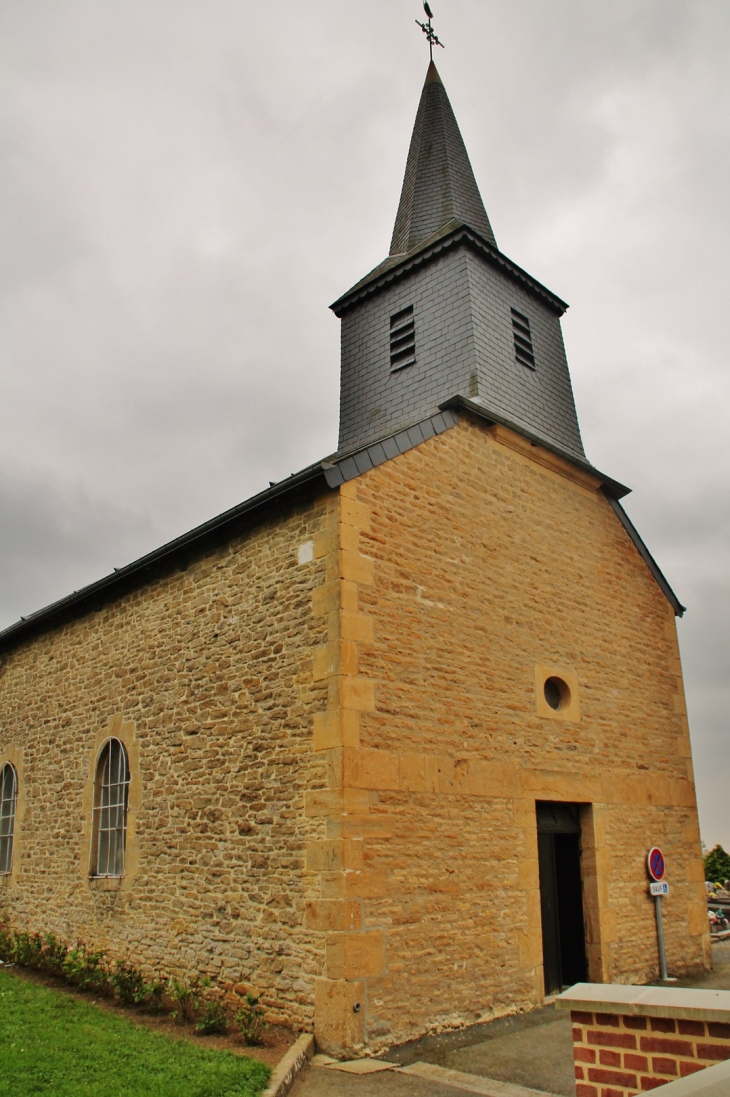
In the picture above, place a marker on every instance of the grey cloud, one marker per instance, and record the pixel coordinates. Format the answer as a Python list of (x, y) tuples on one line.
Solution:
[(54, 540), (185, 188)]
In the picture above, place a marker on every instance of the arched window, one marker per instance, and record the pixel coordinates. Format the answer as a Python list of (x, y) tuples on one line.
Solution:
[(110, 810), (8, 797)]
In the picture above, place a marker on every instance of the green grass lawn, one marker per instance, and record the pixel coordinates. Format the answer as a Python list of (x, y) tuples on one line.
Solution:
[(51, 1043)]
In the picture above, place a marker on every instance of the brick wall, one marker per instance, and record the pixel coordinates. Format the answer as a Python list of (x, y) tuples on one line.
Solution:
[(619, 1056)]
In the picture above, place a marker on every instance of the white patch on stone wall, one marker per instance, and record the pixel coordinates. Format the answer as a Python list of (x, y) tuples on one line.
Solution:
[(425, 601), (306, 552)]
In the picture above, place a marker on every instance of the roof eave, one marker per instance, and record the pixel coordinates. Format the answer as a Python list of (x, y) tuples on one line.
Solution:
[(611, 489), (87, 597), (656, 571), (386, 273), (616, 489)]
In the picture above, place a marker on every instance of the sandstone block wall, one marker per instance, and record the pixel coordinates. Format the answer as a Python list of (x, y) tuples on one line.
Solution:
[(337, 743), (207, 675), (468, 564)]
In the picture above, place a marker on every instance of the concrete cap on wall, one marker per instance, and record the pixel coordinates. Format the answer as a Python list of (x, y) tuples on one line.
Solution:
[(680, 1002)]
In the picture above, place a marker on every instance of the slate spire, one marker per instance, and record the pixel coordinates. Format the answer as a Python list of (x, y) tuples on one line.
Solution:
[(439, 185)]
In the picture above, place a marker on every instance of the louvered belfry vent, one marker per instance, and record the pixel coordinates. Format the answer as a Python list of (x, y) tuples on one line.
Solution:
[(402, 339), (524, 352)]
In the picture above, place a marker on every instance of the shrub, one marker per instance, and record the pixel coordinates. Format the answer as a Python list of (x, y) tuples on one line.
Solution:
[(6, 945), (152, 995), (28, 949), (53, 954), (214, 1020), (128, 983), (87, 970), (717, 865), (186, 996), (250, 1020), (130, 987)]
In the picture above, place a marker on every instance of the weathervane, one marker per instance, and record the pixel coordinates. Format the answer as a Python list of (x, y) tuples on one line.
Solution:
[(429, 31)]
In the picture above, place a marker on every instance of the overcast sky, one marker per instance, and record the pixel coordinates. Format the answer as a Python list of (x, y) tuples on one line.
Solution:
[(185, 187)]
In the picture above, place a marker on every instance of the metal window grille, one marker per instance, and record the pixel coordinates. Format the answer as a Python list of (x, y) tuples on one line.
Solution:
[(524, 352), (8, 798), (402, 339), (110, 810)]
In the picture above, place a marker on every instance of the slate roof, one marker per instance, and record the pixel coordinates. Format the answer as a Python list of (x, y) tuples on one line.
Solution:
[(332, 471), (439, 184), (440, 205), (451, 235)]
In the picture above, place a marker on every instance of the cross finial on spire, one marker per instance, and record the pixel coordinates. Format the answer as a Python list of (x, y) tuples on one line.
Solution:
[(428, 30)]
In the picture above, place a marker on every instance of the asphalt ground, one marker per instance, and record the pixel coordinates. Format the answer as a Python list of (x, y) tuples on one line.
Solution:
[(533, 1050)]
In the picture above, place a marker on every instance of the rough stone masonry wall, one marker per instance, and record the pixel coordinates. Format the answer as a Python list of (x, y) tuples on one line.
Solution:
[(621, 1056), (206, 674), (476, 563)]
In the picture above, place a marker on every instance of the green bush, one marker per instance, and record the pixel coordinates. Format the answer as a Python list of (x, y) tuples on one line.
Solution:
[(127, 982), (213, 1021), (250, 1020), (53, 954), (87, 970), (131, 988), (186, 996), (27, 949), (153, 994), (717, 865), (6, 945)]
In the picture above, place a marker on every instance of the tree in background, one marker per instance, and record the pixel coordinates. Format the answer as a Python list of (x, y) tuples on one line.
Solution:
[(717, 865)]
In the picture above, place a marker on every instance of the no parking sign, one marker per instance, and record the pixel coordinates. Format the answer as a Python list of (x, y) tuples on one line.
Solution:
[(657, 866)]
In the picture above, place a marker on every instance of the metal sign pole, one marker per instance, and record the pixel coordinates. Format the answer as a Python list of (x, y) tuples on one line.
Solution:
[(656, 866), (660, 938)]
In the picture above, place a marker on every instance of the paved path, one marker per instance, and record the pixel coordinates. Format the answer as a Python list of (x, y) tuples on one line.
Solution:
[(532, 1050), (321, 1082)]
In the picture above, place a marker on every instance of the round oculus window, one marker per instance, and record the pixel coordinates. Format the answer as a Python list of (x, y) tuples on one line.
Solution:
[(556, 693)]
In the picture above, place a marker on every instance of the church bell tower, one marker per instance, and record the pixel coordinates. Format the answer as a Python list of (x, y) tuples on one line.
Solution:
[(447, 315)]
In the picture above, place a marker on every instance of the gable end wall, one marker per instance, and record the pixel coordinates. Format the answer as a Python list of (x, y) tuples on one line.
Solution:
[(478, 561)]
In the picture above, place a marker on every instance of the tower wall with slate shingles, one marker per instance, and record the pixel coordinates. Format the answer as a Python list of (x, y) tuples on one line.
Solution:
[(541, 400), (464, 346), (373, 400)]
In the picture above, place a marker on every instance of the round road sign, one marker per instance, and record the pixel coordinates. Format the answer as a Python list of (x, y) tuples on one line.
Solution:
[(655, 863)]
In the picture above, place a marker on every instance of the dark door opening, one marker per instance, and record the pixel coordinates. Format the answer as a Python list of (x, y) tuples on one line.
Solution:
[(561, 895)]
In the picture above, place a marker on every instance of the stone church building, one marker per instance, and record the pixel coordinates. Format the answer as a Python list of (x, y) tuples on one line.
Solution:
[(390, 740)]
